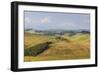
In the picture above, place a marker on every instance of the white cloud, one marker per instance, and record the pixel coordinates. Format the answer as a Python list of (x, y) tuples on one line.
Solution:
[(45, 20), (37, 21), (27, 20)]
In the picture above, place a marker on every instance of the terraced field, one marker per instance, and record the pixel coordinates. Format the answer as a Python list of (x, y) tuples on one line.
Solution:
[(59, 48)]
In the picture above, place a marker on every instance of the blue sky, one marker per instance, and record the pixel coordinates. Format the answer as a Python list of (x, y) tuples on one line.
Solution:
[(56, 20)]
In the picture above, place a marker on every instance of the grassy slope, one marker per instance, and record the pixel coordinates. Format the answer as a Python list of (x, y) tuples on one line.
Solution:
[(74, 47)]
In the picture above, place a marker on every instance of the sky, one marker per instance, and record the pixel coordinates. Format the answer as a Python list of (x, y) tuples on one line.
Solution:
[(37, 20)]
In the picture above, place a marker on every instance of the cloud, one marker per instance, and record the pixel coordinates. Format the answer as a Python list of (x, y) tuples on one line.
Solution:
[(45, 20), (27, 20)]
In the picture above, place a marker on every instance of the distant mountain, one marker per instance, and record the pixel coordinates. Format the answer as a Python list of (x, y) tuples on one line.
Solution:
[(66, 31), (56, 31)]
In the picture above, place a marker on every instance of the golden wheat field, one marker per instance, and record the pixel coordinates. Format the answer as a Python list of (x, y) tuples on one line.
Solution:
[(61, 48)]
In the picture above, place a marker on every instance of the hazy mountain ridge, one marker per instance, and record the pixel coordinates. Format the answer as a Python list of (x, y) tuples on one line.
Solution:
[(55, 31)]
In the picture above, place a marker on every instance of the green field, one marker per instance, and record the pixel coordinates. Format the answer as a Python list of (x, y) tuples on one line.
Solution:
[(62, 47)]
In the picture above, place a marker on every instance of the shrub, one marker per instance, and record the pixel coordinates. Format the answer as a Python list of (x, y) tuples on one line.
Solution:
[(37, 49)]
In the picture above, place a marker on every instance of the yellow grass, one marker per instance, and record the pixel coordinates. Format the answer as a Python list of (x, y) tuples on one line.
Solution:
[(77, 48)]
